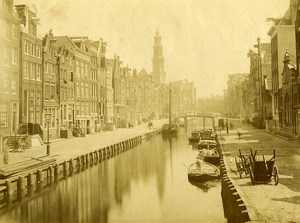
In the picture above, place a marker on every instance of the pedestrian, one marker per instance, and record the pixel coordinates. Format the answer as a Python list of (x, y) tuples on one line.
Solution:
[(5, 152), (239, 134)]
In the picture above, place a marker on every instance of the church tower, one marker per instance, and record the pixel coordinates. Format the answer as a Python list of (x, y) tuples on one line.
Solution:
[(158, 70)]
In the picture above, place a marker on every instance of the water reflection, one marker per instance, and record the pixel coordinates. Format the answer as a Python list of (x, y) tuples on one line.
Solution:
[(205, 186), (148, 183)]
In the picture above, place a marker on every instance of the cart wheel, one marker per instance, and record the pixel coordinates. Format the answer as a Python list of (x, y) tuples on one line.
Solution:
[(23, 147), (238, 166), (275, 175), (251, 176)]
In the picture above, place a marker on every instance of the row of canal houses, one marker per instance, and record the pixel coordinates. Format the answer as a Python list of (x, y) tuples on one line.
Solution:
[(57, 82), (269, 96)]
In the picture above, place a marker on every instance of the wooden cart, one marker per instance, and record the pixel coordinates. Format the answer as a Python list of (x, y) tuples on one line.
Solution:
[(262, 168)]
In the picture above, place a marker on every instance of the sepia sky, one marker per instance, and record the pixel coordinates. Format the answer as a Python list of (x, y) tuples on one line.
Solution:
[(203, 40)]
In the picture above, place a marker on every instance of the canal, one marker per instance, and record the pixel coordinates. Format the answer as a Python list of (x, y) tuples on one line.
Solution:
[(146, 184)]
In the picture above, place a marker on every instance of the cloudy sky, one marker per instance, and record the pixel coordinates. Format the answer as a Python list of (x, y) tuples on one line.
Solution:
[(203, 40)]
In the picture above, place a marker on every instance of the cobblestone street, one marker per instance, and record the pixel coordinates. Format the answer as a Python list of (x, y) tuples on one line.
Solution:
[(266, 203)]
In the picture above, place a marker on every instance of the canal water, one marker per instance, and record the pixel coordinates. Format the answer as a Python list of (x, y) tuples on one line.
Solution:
[(146, 184)]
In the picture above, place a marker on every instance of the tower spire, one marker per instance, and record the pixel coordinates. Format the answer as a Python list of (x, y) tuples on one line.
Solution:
[(158, 70)]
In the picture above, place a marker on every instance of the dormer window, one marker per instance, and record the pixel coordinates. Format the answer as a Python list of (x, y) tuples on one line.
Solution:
[(8, 6)]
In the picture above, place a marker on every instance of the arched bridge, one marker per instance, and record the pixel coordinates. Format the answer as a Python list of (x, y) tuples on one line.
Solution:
[(203, 116)]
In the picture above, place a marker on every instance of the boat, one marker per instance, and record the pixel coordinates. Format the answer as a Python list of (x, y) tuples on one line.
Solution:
[(211, 156), (195, 136), (202, 171), (207, 134), (207, 144), (168, 129)]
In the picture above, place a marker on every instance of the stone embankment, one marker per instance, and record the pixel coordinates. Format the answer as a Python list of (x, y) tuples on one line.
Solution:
[(32, 172), (234, 208)]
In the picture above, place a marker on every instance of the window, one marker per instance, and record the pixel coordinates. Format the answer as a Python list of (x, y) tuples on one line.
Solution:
[(47, 91), (32, 106), (53, 68), (32, 74), (8, 6), (86, 108), (77, 66), (15, 31), (38, 51), (49, 52), (6, 55), (26, 47), (82, 89), (82, 69), (46, 67), (33, 49), (65, 112), (82, 108), (25, 103), (15, 56), (77, 90), (30, 48), (77, 108), (26, 70), (86, 90), (3, 115), (38, 72), (37, 107), (8, 30), (52, 118), (86, 70), (14, 84), (5, 83), (52, 91), (70, 77), (68, 93)]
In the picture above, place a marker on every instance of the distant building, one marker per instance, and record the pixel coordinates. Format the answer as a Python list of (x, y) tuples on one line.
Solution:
[(257, 89), (31, 87), (109, 93), (9, 69), (51, 87), (158, 69), (282, 34), (290, 124), (234, 99), (183, 99)]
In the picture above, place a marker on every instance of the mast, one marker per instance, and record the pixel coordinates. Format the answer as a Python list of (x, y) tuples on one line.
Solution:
[(170, 108)]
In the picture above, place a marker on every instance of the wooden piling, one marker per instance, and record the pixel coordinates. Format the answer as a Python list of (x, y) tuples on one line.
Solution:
[(20, 188), (30, 184), (51, 175), (65, 170), (39, 180), (55, 167)]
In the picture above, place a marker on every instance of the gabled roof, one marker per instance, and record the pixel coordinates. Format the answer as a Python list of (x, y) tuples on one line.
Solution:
[(67, 41)]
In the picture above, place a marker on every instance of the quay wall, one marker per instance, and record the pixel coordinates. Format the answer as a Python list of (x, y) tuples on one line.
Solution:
[(26, 184), (234, 208)]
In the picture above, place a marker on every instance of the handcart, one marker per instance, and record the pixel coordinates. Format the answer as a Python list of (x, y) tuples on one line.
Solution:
[(16, 143), (242, 162), (262, 168)]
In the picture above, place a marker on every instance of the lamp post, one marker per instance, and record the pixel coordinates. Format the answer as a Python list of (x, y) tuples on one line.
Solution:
[(48, 116), (227, 123)]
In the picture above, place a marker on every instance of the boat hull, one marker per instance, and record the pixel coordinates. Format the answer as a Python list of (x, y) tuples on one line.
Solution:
[(202, 177), (211, 156), (194, 140), (202, 171)]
